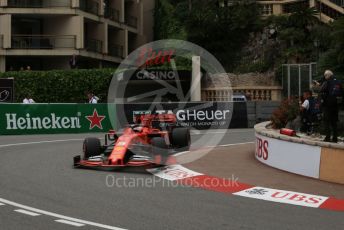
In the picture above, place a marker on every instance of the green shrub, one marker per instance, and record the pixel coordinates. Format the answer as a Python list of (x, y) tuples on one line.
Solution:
[(61, 86)]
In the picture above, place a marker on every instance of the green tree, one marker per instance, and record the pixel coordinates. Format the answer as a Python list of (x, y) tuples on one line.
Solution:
[(299, 34), (167, 24), (334, 58), (304, 18), (222, 30)]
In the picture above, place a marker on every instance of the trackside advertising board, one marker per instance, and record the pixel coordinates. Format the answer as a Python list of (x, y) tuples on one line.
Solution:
[(199, 115), (292, 157), (53, 118)]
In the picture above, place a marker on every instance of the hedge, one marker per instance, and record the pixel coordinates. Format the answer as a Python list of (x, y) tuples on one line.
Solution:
[(61, 86)]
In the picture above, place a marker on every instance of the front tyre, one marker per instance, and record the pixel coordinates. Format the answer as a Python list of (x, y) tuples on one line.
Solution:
[(159, 148), (181, 138), (91, 147)]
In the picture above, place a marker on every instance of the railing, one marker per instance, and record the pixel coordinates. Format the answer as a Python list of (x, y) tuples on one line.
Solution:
[(112, 14), (327, 10), (131, 21), (216, 95), (43, 41), (116, 50), (266, 9), (89, 6), (94, 45), (338, 2), (38, 3), (259, 93)]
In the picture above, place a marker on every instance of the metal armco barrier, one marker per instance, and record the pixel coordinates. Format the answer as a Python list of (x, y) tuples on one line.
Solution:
[(53, 118)]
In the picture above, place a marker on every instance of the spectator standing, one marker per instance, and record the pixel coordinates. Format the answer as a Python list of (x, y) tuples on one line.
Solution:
[(331, 89), (28, 100), (73, 62), (310, 111), (92, 99)]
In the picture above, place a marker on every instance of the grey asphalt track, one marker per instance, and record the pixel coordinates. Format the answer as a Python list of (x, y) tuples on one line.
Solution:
[(40, 175)]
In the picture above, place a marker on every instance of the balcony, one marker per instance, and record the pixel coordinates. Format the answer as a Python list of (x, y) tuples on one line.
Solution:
[(131, 21), (328, 11), (94, 45), (89, 6), (116, 50), (111, 14), (38, 3), (338, 2), (43, 41)]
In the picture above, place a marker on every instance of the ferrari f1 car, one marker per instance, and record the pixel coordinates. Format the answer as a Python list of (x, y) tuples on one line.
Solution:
[(151, 140)]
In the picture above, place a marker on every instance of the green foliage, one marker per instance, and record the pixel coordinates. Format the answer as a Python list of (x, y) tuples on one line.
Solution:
[(62, 86), (223, 31), (304, 17), (334, 58), (247, 67), (298, 34), (167, 25)]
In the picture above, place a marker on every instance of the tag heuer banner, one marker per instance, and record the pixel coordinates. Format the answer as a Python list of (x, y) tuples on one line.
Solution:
[(53, 118), (6, 90), (199, 115)]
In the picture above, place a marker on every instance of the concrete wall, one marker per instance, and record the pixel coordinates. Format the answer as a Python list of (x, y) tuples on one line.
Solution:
[(258, 111), (5, 29), (148, 19), (303, 156)]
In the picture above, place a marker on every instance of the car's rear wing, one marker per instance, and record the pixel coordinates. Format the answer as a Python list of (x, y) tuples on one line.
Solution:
[(147, 119)]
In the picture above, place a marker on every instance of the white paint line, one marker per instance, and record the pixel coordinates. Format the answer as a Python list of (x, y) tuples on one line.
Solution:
[(181, 153), (27, 212), (58, 215), (197, 132), (39, 142), (243, 143), (1, 204), (69, 223)]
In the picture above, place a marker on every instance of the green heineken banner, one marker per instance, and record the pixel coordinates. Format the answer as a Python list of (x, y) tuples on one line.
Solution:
[(54, 118)]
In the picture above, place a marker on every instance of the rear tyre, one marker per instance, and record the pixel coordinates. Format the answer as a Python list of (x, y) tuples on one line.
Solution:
[(91, 147), (181, 138)]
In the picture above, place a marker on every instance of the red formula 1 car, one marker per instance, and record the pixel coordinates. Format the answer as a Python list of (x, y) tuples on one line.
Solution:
[(151, 140)]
